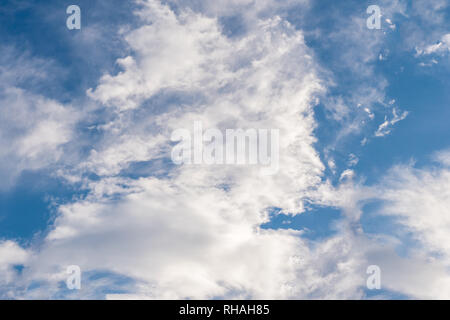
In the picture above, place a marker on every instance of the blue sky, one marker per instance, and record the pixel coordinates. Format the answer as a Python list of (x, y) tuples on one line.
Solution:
[(87, 179)]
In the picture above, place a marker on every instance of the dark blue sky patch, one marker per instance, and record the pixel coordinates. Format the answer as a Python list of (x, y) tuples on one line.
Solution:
[(27, 209), (317, 223), (159, 168), (384, 294), (233, 26)]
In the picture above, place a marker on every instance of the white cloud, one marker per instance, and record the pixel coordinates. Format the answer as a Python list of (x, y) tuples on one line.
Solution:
[(442, 46), (11, 254), (418, 199), (386, 127), (416, 276), (33, 128), (195, 232), (352, 160), (443, 157), (421, 198), (412, 250)]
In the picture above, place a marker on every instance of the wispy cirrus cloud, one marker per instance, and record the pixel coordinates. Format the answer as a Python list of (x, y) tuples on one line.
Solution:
[(34, 128)]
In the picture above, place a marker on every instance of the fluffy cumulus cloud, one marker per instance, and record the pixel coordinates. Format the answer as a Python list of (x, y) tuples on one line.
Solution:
[(195, 231), (411, 248)]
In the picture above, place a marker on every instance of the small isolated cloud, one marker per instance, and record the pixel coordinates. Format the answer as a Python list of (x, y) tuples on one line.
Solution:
[(386, 127), (391, 24), (441, 47), (352, 160)]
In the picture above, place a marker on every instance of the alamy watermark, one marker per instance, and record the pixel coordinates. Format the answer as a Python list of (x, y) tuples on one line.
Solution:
[(73, 281), (231, 147), (374, 21), (374, 280), (74, 20)]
